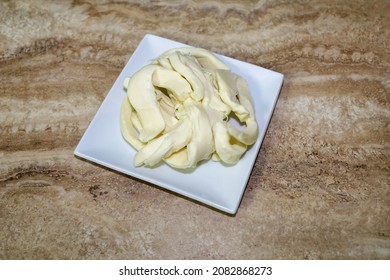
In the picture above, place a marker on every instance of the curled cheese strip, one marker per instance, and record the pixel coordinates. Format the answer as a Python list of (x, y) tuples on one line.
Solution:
[(177, 110), (142, 97)]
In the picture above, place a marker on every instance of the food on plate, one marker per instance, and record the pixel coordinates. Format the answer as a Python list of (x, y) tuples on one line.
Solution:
[(178, 108)]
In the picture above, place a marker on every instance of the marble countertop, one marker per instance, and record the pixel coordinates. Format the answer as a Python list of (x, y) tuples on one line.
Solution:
[(320, 185)]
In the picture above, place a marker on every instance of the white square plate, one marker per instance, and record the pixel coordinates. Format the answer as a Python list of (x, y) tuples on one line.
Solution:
[(212, 183)]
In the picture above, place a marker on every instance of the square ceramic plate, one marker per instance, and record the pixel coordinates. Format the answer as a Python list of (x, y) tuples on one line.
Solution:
[(211, 183)]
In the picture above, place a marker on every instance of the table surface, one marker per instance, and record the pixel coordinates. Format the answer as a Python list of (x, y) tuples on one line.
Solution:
[(320, 185)]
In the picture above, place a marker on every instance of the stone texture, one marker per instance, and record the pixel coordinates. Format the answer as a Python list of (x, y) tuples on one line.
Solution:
[(320, 185)]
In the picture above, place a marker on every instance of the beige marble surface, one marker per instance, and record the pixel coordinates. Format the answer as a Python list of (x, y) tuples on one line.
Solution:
[(320, 185)]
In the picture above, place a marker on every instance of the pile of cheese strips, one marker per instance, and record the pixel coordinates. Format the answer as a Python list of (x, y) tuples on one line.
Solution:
[(177, 110)]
